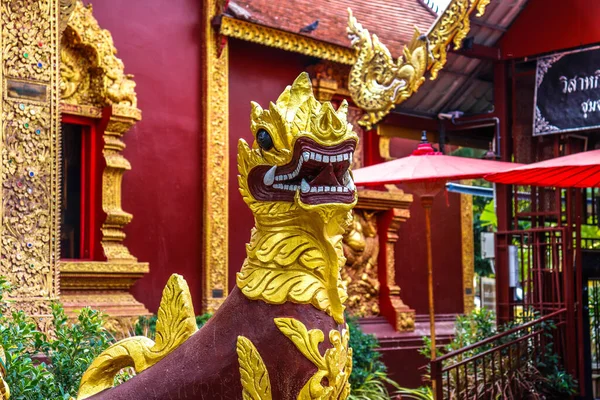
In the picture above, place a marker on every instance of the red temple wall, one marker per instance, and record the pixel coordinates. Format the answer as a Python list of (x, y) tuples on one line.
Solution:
[(256, 73), (161, 46), (411, 250), (549, 25)]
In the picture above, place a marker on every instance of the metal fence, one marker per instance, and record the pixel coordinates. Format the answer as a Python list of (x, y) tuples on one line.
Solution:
[(489, 369)]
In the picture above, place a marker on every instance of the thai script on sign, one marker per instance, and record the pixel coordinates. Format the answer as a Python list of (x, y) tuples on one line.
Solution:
[(590, 106), (579, 83), (583, 83)]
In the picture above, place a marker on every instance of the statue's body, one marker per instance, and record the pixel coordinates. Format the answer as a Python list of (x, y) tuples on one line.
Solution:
[(281, 332)]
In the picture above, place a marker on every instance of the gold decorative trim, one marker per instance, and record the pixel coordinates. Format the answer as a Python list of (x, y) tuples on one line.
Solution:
[(103, 267), (468, 255), (378, 82), (30, 149), (256, 384), (81, 110), (216, 167), (279, 39), (331, 381)]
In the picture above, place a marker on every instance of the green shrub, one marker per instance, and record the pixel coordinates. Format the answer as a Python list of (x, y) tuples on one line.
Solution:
[(368, 380), (43, 367), (74, 346), (366, 360)]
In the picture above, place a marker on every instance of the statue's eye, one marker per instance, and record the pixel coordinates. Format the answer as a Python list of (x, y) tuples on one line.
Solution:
[(264, 139)]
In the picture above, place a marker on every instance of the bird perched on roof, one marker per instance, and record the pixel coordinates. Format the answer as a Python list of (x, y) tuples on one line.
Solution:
[(310, 28)]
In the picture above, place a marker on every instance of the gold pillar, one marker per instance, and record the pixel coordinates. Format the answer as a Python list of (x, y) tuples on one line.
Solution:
[(468, 255), (120, 120), (30, 152), (216, 162)]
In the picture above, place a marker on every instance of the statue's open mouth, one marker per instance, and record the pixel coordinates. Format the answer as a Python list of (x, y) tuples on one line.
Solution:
[(319, 173)]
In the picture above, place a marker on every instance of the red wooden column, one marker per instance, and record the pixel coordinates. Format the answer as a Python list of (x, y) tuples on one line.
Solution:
[(503, 192), (398, 314)]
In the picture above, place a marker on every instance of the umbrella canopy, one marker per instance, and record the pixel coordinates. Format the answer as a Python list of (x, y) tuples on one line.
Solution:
[(576, 170), (427, 171), (426, 165)]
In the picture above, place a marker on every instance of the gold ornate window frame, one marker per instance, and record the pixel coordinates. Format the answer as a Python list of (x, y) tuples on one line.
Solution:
[(94, 85)]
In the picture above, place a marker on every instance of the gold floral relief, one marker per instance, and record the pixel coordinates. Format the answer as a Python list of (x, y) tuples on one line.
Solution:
[(334, 367), (92, 73), (468, 252), (30, 157), (253, 372), (330, 382), (361, 249)]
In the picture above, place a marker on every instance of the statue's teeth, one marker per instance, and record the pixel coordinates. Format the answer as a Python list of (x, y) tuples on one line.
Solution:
[(346, 178), (304, 186), (350, 184), (270, 176), (305, 155)]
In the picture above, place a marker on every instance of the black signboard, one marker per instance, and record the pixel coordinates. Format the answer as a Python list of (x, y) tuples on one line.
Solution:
[(567, 95)]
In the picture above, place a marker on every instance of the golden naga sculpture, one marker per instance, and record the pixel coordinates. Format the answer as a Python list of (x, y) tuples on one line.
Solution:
[(281, 333), (377, 83)]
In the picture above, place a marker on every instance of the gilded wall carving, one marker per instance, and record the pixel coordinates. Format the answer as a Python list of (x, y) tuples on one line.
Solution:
[(361, 249), (30, 156), (216, 167), (92, 74)]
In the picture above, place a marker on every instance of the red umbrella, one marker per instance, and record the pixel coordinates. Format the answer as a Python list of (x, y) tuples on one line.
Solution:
[(577, 170), (426, 172)]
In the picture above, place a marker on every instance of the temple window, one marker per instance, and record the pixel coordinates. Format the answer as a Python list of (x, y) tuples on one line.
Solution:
[(79, 178)]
